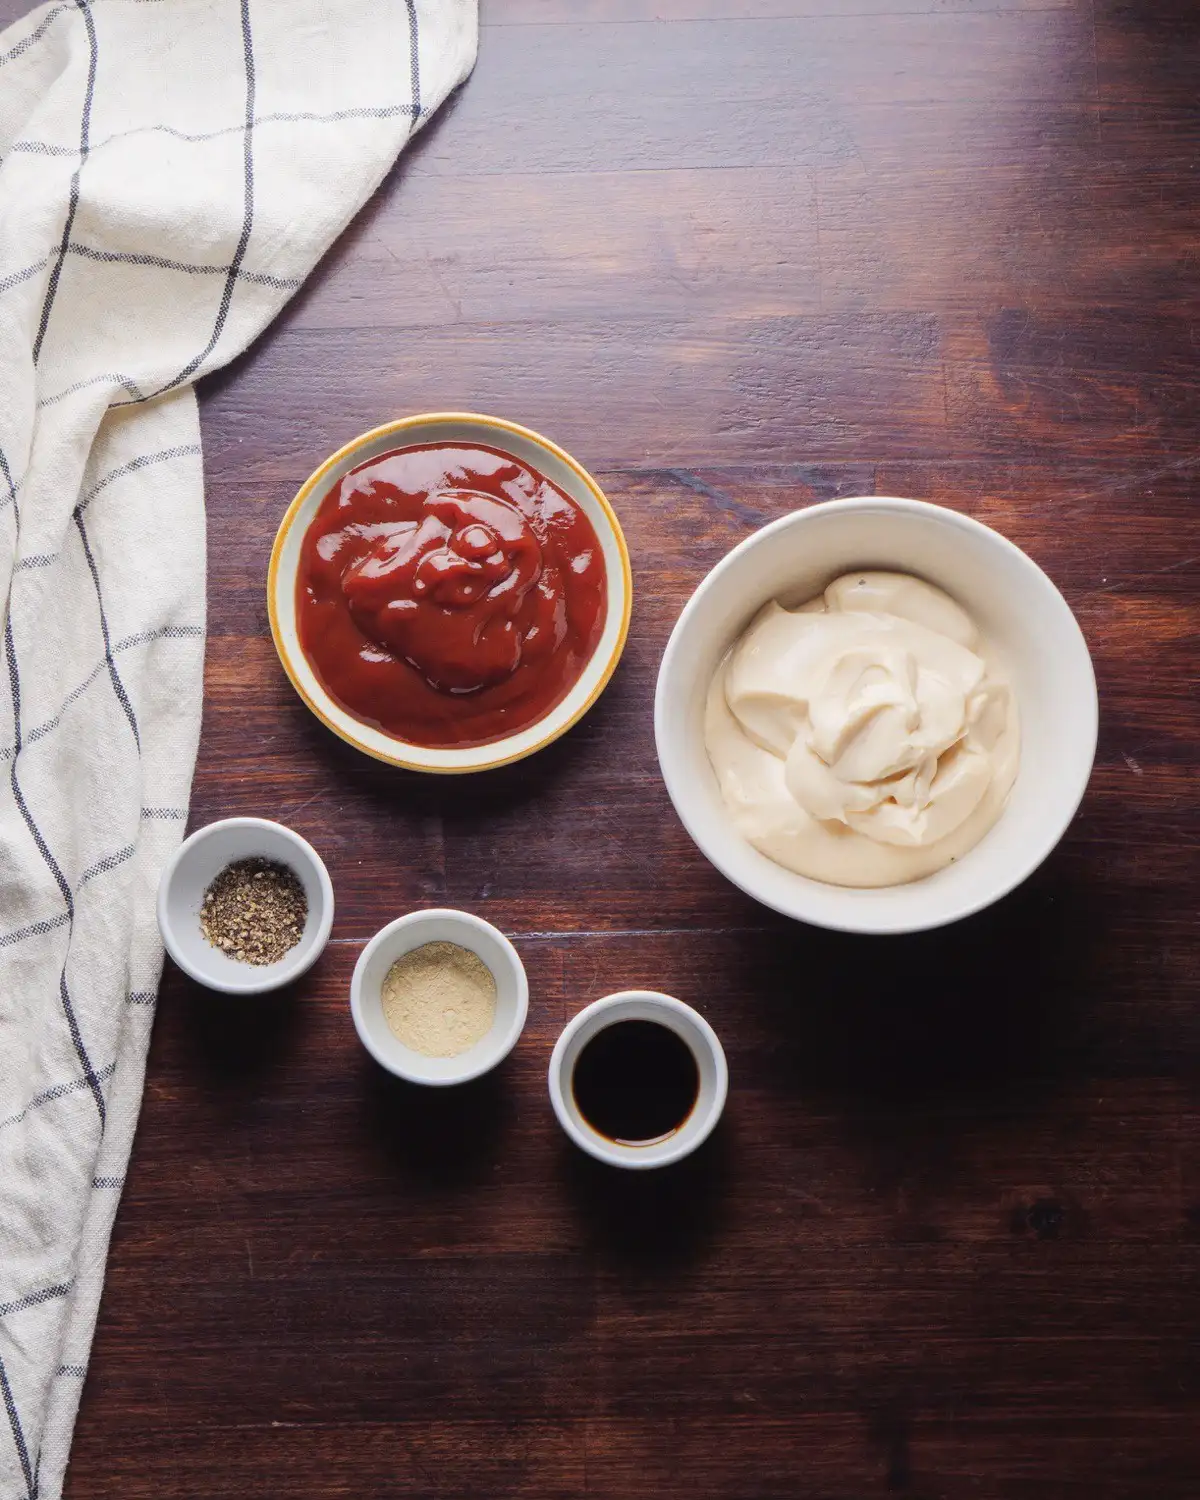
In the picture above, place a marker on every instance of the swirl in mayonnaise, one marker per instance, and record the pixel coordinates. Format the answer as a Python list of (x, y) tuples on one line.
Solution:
[(866, 738)]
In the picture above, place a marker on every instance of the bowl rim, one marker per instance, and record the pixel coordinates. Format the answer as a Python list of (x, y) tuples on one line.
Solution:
[(411, 761), (854, 922), (418, 918), (286, 972)]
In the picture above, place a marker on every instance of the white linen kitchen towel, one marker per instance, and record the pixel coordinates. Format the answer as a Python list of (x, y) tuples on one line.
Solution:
[(170, 170)]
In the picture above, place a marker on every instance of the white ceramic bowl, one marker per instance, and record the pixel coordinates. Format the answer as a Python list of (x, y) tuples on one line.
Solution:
[(641, 1005), (1016, 607), (440, 925), (451, 427), (196, 864)]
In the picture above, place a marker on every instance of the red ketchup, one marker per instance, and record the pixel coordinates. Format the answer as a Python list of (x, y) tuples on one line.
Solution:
[(450, 596)]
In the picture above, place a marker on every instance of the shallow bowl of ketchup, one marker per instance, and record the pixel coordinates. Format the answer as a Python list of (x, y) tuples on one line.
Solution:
[(449, 592)]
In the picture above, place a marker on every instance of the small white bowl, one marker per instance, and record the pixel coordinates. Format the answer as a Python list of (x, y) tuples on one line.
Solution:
[(1017, 609), (440, 925), (691, 1027), (526, 446), (197, 863)]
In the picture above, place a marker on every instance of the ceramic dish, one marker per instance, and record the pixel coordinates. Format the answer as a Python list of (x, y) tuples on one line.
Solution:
[(440, 925), (1018, 610), (196, 864), (524, 445), (711, 1068)]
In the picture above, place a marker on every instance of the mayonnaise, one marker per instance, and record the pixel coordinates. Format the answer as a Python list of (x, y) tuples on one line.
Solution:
[(865, 738)]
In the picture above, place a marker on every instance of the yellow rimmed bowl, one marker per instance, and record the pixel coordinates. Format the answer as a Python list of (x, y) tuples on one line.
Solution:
[(451, 427)]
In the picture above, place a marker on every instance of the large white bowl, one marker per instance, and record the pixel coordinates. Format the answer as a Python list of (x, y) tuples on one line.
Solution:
[(529, 448), (1017, 608)]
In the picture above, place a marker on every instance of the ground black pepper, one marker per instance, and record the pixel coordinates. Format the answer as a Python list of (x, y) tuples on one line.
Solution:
[(254, 911)]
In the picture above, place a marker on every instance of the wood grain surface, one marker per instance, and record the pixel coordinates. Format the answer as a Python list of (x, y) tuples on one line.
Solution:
[(946, 1244)]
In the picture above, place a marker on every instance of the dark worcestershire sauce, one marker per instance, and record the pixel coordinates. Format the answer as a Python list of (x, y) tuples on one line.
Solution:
[(636, 1082)]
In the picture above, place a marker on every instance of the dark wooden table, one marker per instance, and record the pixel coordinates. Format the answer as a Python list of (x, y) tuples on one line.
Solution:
[(737, 257)]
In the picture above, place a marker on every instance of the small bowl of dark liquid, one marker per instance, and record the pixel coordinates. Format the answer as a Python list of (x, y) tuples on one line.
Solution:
[(638, 1079)]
